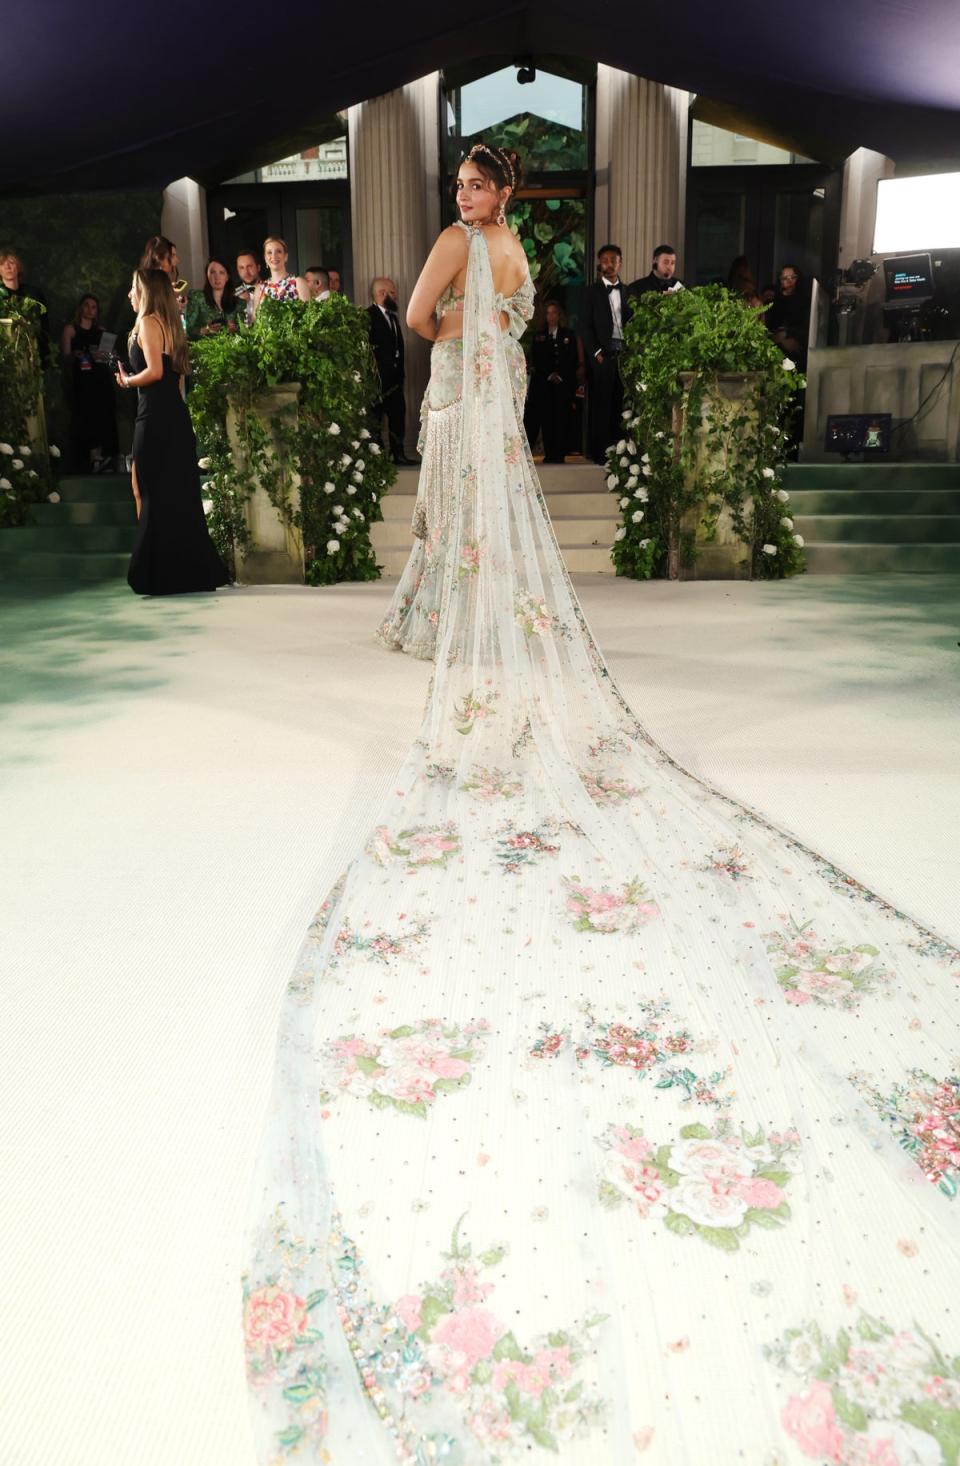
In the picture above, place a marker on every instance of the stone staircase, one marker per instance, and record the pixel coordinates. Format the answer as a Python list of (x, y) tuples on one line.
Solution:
[(873, 518), (583, 511), (87, 537)]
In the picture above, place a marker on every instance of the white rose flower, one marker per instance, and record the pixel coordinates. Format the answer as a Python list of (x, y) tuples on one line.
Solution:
[(636, 421), (771, 429), (345, 460), (360, 463), (637, 515), (24, 450), (357, 477), (332, 546), (341, 526), (31, 473), (5, 483), (788, 365), (334, 429), (798, 541), (16, 463), (337, 509), (631, 446), (702, 1202), (624, 503), (769, 473), (5, 448), (356, 376), (644, 544), (364, 433), (620, 534), (351, 488), (358, 513), (612, 480), (329, 488), (54, 451), (646, 470), (207, 485), (660, 435), (204, 462), (787, 522), (625, 414), (769, 549), (53, 498), (642, 494), (621, 446), (375, 448), (355, 443), (643, 388), (783, 496), (645, 458), (207, 505), (624, 461)]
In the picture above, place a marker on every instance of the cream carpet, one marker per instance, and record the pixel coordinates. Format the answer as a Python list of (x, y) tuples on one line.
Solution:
[(179, 783)]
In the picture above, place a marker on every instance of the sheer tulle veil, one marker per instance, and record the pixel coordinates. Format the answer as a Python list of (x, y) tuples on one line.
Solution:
[(594, 1127)]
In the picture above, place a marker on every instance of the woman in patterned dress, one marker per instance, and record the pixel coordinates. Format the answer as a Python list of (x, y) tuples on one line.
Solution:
[(280, 286)]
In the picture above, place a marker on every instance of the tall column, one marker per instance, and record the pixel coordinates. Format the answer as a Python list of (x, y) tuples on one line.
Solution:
[(183, 218), (858, 211), (395, 205), (641, 166)]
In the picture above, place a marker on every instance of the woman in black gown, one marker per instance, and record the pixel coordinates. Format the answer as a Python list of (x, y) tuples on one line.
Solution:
[(173, 553)]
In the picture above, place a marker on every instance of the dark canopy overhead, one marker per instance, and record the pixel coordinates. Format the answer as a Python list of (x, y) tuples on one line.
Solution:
[(109, 95)]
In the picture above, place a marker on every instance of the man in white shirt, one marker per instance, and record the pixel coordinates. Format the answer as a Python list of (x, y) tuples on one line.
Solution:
[(318, 280)]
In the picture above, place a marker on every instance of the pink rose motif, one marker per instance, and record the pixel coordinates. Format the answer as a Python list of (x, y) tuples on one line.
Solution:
[(273, 1319), (408, 1309), (470, 1332), (812, 1421), (468, 1289), (446, 1068), (632, 1147), (412, 1088), (795, 996), (603, 901), (758, 1192)]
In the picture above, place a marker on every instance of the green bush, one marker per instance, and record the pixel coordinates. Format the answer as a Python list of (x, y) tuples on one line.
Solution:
[(654, 470), (324, 347), (25, 470)]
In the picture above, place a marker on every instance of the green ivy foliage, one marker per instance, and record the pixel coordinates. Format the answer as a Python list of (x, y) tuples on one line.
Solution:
[(656, 470), (323, 347), (25, 468)]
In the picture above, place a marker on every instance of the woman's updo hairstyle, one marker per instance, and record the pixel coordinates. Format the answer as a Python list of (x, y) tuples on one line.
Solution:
[(501, 165)]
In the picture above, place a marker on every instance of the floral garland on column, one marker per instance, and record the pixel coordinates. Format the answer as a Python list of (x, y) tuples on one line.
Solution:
[(25, 467), (323, 346), (705, 331)]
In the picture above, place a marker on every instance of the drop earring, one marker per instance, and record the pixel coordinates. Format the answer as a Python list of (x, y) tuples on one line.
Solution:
[(501, 217)]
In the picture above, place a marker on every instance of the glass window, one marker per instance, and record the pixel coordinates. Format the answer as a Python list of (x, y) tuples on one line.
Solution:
[(545, 120), (715, 147)]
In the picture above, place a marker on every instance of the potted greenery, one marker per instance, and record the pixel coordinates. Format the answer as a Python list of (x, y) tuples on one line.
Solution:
[(698, 472)]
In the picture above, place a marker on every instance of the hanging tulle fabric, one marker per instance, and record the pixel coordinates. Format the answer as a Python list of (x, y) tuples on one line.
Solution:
[(608, 1120)]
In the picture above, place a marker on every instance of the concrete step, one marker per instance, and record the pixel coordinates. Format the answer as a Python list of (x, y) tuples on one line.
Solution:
[(394, 534), (96, 512), (595, 558), (65, 568), (865, 559), (97, 488), (63, 538), (878, 529), (873, 475), (874, 501), (399, 506)]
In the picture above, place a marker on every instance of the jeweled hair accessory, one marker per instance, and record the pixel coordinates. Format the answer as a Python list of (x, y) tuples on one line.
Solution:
[(498, 155)]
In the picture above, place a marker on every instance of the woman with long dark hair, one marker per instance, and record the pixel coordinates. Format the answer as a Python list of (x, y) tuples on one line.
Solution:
[(173, 551), (92, 409), (215, 308)]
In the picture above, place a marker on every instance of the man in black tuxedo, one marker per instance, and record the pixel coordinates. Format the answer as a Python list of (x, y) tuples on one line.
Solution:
[(663, 276), (553, 382), (606, 311), (386, 338)]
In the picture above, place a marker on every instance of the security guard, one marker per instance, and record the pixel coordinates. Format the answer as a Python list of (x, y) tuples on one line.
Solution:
[(553, 382)]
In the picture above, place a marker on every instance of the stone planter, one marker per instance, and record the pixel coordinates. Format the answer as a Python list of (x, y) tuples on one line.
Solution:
[(275, 555), (719, 553)]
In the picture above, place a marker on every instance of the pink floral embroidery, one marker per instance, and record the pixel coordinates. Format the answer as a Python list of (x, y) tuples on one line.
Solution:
[(807, 972), (406, 1068), (426, 845), (608, 911)]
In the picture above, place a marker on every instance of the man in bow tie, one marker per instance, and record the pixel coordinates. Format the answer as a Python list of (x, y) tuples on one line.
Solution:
[(386, 338), (606, 310)]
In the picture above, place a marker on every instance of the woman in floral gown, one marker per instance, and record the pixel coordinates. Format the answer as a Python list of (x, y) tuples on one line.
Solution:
[(609, 1121)]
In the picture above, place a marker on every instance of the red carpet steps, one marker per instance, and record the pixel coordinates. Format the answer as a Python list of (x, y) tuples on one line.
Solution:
[(872, 518), (583, 511), (87, 537)]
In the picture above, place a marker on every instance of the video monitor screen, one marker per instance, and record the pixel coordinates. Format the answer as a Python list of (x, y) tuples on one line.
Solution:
[(861, 432), (909, 278)]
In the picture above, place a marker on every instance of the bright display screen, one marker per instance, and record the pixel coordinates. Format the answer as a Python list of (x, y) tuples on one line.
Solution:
[(917, 213)]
